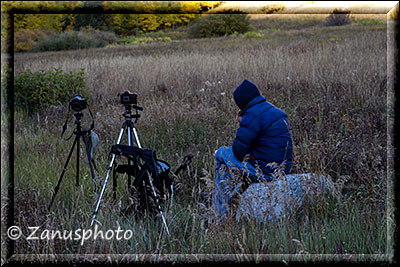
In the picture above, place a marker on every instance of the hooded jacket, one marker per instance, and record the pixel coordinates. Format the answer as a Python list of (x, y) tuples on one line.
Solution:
[(264, 131)]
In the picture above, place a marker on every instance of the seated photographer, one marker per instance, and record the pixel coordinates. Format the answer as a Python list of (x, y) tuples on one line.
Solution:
[(263, 137)]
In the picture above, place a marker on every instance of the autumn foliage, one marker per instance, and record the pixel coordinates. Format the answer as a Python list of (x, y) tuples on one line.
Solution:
[(113, 17)]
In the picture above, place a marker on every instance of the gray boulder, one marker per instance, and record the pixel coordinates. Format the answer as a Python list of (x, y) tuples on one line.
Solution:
[(271, 201)]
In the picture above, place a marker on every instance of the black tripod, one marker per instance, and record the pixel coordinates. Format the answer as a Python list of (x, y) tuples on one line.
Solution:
[(129, 125), (79, 132)]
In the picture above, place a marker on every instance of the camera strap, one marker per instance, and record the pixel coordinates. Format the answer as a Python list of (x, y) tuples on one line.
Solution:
[(68, 118), (91, 115), (66, 122)]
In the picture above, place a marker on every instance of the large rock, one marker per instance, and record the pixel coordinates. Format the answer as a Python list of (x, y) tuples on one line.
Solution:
[(270, 201)]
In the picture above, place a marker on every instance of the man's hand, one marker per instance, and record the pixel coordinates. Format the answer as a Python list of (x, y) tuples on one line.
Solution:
[(238, 118)]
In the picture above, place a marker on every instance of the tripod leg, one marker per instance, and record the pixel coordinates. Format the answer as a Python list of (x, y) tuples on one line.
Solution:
[(129, 161), (106, 179), (77, 159), (136, 137), (62, 173), (94, 165), (114, 184), (158, 203)]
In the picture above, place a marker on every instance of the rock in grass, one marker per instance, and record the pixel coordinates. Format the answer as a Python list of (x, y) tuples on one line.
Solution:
[(271, 201)]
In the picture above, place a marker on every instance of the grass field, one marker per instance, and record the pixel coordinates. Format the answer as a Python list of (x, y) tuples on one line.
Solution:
[(332, 83)]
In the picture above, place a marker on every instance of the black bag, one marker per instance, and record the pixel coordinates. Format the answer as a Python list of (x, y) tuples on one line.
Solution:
[(143, 163)]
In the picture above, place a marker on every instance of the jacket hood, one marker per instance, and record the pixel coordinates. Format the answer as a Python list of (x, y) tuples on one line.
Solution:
[(245, 93)]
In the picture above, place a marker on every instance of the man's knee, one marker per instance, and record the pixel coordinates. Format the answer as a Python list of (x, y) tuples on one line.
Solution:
[(224, 152)]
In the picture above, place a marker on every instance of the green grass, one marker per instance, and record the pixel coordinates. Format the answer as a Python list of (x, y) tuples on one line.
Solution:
[(332, 84), (369, 22), (142, 40)]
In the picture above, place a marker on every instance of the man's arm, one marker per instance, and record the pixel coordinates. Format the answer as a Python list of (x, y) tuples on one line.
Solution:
[(246, 134)]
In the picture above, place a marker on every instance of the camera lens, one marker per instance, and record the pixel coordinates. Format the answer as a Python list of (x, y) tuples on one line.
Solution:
[(78, 103)]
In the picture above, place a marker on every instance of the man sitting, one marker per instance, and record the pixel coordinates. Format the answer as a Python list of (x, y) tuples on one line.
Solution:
[(262, 141)]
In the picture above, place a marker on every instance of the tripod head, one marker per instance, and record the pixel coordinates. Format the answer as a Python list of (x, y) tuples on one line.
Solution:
[(78, 115), (78, 104), (129, 100), (128, 112)]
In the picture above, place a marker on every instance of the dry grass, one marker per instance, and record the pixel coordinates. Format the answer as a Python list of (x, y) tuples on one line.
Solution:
[(331, 83)]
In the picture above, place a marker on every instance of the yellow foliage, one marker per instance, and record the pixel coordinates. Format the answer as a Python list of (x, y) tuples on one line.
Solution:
[(53, 22), (146, 15), (25, 39)]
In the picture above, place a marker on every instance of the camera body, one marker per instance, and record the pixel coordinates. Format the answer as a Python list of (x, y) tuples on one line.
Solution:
[(78, 103), (128, 98)]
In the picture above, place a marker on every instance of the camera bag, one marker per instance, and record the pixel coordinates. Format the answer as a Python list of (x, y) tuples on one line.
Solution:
[(144, 162)]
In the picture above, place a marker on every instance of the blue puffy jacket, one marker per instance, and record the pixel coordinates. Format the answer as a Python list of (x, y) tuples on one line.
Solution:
[(264, 131)]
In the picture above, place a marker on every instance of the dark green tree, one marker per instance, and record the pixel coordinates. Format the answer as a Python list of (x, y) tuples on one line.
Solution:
[(219, 25), (96, 20)]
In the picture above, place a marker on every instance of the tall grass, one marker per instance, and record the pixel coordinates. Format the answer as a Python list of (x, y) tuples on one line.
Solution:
[(331, 83)]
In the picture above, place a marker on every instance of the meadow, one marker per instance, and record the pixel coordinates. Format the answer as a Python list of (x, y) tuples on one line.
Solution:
[(332, 83)]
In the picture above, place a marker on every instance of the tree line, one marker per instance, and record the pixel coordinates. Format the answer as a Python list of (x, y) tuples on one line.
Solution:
[(122, 17)]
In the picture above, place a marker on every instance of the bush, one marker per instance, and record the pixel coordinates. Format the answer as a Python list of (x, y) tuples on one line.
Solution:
[(273, 8), (338, 17), (35, 90), (70, 40), (177, 34), (25, 39), (142, 40), (253, 35), (106, 36), (219, 25)]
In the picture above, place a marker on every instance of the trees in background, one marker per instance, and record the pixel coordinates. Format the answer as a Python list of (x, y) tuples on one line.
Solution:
[(144, 16), (214, 25), (127, 18)]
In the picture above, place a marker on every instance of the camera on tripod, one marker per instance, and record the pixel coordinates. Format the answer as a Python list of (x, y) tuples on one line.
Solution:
[(152, 181), (128, 98), (78, 103)]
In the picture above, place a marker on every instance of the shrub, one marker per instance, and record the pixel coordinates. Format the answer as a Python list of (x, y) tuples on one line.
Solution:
[(215, 25), (163, 39), (177, 34), (253, 35), (25, 39), (142, 40), (271, 9), (35, 90), (70, 40), (107, 36), (338, 17)]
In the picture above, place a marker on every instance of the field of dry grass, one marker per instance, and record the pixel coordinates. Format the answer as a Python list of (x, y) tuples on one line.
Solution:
[(331, 81)]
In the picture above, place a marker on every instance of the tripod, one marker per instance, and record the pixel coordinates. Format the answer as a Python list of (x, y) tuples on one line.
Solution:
[(128, 125), (78, 134)]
